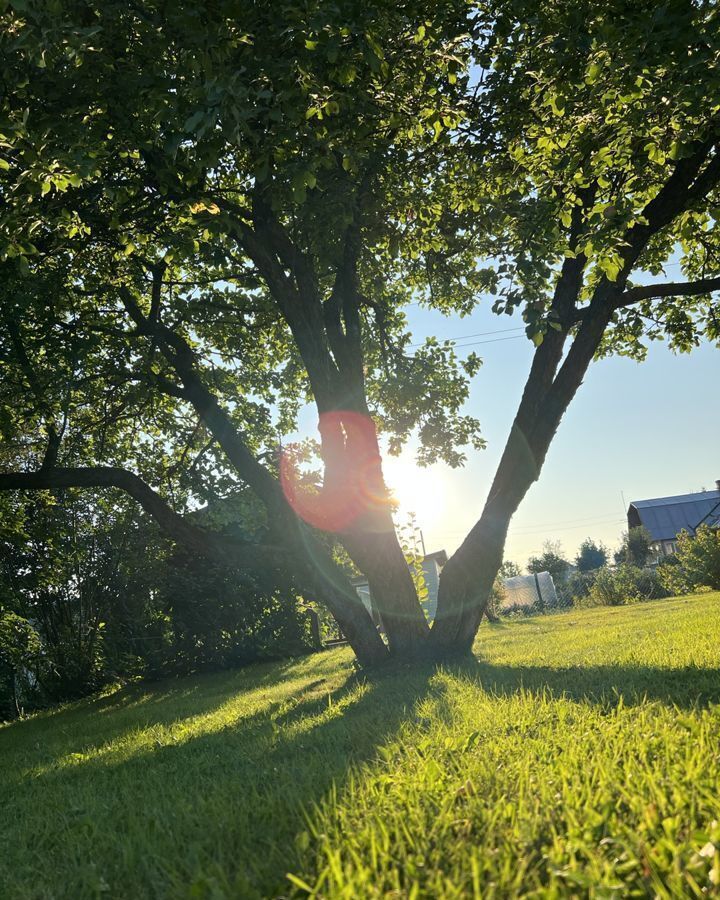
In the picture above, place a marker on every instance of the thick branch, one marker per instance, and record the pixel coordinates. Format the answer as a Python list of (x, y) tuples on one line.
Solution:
[(182, 358), (692, 179), (228, 550), (671, 289), (272, 252)]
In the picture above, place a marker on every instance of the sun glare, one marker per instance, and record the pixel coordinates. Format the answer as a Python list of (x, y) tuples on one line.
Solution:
[(418, 491)]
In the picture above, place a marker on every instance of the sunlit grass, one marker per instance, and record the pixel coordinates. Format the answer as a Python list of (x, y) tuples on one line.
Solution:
[(580, 754)]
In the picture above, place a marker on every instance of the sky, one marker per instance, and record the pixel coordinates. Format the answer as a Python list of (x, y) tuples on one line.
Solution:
[(633, 431)]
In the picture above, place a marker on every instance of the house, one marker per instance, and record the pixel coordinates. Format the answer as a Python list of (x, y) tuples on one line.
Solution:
[(666, 517), (432, 565)]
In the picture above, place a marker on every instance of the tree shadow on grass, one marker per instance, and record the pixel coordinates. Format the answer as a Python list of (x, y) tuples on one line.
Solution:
[(215, 813), (221, 812), (685, 687)]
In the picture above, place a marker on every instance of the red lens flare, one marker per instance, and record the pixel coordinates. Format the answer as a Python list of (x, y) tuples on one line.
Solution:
[(353, 493)]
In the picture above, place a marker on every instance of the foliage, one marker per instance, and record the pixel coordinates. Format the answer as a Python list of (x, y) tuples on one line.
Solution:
[(204, 785), (696, 562), (635, 547), (550, 560), (508, 569), (575, 589), (112, 599), (215, 213), (625, 584), (20, 652), (217, 618), (591, 556), (410, 536)]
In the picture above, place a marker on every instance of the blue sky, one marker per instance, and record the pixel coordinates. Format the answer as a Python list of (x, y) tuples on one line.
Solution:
[(635, 429), (639, 429)]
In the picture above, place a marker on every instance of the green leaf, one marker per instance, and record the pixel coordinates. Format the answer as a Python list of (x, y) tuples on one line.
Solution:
[(593, 72), (195, 119)]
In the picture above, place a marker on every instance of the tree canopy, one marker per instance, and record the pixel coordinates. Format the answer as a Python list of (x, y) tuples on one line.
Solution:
[(216, 213)]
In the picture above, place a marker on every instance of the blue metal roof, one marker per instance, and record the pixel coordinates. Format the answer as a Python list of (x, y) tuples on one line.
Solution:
[(666, 517)]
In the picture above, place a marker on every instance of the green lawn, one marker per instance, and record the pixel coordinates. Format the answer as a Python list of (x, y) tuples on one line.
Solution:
[(579, 755)]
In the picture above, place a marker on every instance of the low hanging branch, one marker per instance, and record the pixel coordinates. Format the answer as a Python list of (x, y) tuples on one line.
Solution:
[(225, 549)]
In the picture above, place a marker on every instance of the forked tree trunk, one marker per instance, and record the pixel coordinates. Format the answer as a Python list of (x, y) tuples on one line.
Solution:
[(380, 558)]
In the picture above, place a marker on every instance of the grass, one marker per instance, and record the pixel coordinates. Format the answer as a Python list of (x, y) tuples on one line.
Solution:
[(578, 756)]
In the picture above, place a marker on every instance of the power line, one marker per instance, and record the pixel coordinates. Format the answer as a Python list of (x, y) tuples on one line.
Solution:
[(562, 525), (463, 337), (513, 337)]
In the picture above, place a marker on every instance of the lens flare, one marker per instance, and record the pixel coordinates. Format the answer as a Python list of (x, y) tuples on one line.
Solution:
[(353, 494)]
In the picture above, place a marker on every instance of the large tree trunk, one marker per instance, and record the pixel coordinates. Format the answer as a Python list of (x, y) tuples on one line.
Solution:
[(467, 579), (356, 504), (380, 558)]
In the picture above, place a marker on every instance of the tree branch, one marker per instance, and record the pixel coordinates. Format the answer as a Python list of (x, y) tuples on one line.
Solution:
[(225, 549), (670, 289)]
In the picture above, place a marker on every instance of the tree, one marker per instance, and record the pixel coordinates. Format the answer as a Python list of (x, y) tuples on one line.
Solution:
[(591, 556), (550, 560), (635, 547), (214, 213), (509, 569)]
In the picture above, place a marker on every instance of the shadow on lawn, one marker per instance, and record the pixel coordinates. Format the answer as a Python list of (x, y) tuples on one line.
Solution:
[(236, 796), (688, 686)]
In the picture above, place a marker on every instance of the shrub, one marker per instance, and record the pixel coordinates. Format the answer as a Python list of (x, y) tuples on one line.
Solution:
[(550, 560), (625, 584), (576, 588), (635, 547), (19, 650), (696, 563), (591, 556)]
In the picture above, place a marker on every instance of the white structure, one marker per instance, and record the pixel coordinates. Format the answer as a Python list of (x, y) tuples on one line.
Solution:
[(524, 591)]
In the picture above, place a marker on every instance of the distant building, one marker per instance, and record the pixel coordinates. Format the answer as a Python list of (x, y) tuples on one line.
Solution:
[(666, 517)]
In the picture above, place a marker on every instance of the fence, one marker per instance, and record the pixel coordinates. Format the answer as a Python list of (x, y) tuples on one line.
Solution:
[(529, 593)]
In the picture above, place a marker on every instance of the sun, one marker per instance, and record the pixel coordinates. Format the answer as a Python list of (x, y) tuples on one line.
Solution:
[(418, 491)]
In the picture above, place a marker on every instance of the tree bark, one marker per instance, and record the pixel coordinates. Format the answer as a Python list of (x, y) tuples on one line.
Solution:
[(467, 579), (380, 558)]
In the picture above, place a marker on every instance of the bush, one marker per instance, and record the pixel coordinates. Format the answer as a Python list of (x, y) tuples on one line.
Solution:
[(212, 617), (696, 563), (91, 594), (576, 588), (19, 650), (625, 584), (635, 547), (591, 556)]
